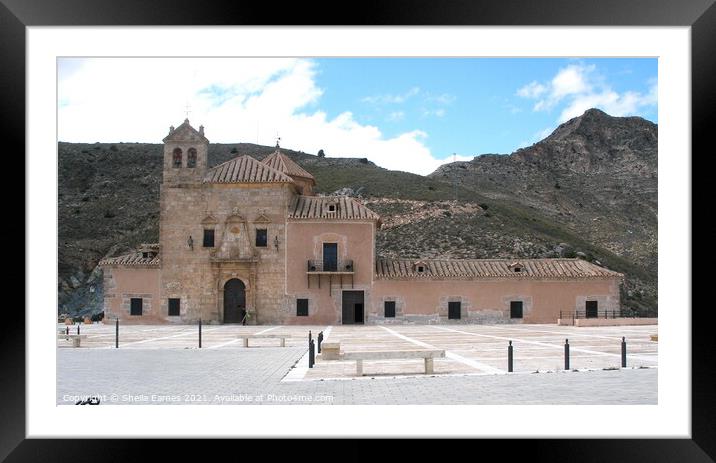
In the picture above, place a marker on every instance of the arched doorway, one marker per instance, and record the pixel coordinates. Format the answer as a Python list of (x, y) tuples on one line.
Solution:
[(234, 301)]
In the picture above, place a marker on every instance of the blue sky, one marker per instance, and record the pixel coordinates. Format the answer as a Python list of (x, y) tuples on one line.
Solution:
[(401, 113)]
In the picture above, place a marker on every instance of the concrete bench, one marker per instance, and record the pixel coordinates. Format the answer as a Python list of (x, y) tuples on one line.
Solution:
[(246, 338), (75, 338), (427, 354), (330, 351)]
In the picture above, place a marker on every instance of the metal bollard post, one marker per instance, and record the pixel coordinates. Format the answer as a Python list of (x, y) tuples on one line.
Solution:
[(78, 329), (566, 354), (200, 333), (320, 340), (116, 334), (311, 354), (623, 352), (509, 358), (67, 330), (309, 335)]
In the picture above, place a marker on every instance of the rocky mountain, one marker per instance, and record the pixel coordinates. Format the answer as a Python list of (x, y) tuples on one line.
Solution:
[(587, 190)]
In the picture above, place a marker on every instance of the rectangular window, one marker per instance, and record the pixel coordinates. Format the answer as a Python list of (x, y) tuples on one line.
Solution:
[(302, 307), (261, 238), (135, 306), (208, 238), (454, 310), (174, 305), (389, 309), (515, 309)]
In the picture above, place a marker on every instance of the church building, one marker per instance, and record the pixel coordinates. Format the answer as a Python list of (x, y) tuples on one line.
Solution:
[(249, 241)]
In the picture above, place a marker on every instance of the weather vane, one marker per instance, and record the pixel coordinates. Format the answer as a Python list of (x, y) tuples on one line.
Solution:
[(187, 110), (278, 139)]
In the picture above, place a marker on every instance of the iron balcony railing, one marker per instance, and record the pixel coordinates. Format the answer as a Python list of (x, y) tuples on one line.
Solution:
[(341, 266), (622, 313)]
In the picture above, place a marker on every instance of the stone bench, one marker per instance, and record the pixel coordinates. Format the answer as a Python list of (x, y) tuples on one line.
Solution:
[(427, 354), (330, 351), (75, 338), (246, 338)]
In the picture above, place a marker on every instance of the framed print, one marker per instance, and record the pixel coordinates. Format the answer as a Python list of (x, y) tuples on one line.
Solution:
[(246, 211)]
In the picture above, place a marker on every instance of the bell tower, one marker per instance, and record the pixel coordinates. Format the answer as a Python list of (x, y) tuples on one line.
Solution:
[(185, 154)]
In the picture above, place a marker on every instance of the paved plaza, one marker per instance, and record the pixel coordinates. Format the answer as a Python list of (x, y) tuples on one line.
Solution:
[(163, 365)]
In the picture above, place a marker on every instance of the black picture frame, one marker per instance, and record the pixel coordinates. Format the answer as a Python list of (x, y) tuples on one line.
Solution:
[(700, 15)]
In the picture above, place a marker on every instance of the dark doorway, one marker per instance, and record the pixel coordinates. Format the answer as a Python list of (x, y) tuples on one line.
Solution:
[(234, 301), (454, 310), (592, 309), (352, 307), (330, 257)]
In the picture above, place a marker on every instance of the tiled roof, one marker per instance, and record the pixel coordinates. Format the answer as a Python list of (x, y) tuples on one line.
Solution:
[(318, 207), (283, 163), (135, 259), (245, 169), (490, 268)]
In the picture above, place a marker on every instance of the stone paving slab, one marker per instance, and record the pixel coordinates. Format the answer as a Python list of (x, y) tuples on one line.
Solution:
[(254, 376)]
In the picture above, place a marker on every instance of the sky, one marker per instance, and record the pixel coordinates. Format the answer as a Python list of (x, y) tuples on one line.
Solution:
[(409, 114)]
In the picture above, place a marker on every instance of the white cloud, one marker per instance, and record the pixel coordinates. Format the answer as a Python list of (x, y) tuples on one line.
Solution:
[(580, 87), (396, 116), (237, 100), (532, 90), (440, 112), (391, 98)]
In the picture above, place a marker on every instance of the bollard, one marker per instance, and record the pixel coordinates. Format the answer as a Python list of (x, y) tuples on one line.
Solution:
[(623, 352), (67, 330), (116, 334), (566, 354), (311, 354), (509, 358), (200, 333), (309, 335), (320, 340), (78, 329)]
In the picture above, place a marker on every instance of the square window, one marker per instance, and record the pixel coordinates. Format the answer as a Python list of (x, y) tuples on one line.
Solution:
[(208, 238), (389, 309), (174, 304), (454, 310), (135, 306), (261, 237), (515, 309), (302, 307)]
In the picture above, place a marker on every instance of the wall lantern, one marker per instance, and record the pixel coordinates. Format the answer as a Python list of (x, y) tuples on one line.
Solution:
[(190, 243)]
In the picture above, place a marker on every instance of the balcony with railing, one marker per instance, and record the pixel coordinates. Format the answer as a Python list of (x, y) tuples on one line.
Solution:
[(332, 269)]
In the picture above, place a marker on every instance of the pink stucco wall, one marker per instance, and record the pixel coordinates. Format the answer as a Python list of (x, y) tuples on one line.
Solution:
[(305, 242), (121, 284), (489, 300)]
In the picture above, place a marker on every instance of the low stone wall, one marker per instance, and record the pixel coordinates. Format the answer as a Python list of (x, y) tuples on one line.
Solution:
[(614, 321)]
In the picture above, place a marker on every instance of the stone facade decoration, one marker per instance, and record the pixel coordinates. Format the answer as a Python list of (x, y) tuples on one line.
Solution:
[(319, 248)]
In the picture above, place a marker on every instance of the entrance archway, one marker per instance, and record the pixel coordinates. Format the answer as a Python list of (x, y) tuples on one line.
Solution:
[(234, 301)]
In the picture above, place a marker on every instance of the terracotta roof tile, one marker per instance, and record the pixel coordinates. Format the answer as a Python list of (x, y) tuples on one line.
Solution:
[(136, 258), (245, 169), (490, 268), (317, 207), (283, 163)]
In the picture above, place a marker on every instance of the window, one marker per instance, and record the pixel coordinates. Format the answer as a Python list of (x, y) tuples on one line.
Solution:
[(454, 310), (208, 238), (518, 269), (191, 158), (261, 237), (515, 309), (421, 269), (135, 306), (174, 304), (302, 307), (332, 208), (389, 309), (176, 158)]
